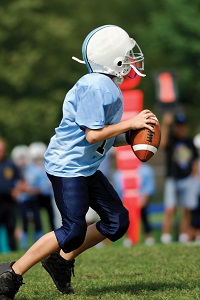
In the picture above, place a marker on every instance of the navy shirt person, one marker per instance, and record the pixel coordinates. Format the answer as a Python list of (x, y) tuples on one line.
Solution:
[(90, 126), (181, 184), (9, 177)]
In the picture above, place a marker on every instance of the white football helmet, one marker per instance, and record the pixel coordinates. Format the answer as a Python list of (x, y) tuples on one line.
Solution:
[(20, 155), (109, 49), (37, 150), (196, 141)]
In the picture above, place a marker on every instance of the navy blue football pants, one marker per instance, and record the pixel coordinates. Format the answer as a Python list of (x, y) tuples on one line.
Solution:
[(73, 197)]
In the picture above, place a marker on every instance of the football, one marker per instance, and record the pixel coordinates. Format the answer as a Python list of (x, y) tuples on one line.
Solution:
[(144, 142)]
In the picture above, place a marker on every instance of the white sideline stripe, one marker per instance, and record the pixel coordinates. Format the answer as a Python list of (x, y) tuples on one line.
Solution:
[(144, 147)]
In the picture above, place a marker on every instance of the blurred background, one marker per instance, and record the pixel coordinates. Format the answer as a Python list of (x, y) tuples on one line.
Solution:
[(38, 39)]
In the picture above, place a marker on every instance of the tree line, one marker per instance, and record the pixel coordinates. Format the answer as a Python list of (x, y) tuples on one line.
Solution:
[(38, 39)]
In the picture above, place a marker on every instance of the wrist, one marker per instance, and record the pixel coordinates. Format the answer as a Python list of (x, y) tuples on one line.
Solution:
[(127, 135)]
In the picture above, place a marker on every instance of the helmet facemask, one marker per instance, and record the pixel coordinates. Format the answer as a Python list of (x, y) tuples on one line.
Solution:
[(136, 60)]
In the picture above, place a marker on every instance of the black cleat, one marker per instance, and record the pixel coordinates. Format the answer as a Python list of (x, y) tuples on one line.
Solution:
[(60, 271), (10, 282)]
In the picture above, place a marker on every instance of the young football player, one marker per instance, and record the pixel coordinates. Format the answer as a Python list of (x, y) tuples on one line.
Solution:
[(90, 126)]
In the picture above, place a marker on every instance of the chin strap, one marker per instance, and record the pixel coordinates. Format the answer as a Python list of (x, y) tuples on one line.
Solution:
[(78, 60), (137, 72)]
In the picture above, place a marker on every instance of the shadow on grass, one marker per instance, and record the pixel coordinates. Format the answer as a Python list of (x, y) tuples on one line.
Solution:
[(138, 287)]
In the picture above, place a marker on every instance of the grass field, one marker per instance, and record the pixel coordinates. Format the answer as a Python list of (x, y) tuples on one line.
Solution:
[(158, 272)]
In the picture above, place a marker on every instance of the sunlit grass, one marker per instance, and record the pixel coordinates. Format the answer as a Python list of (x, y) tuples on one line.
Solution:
[(140, 272)]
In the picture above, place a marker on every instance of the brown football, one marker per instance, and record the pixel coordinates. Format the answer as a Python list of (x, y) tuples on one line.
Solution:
[(145, 143)]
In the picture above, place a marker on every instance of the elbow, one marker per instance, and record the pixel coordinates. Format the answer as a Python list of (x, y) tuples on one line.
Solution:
[(91, 138), (91, 141)]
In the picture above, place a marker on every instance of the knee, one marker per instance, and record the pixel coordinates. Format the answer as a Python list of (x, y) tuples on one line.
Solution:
[(122, 226), (69, 241), (169, 211), (116, 227)]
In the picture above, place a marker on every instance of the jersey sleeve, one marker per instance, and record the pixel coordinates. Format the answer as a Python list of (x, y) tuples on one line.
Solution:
[(90, 109)]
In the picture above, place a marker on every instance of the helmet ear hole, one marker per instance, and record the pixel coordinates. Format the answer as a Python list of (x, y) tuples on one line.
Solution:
[(118, 62)]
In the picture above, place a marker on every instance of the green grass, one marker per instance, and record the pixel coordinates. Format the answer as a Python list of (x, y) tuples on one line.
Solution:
[(158, 272)]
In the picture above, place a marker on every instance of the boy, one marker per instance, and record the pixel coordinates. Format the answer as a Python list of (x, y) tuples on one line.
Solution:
[(90, 126)]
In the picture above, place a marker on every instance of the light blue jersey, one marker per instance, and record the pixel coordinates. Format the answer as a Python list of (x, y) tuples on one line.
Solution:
[(93, 102)]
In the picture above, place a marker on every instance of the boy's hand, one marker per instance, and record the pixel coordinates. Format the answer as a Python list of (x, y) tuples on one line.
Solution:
[(145, 119)]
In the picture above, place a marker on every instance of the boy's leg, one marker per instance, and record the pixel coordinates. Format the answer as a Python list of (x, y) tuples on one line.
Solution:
[(108, 205), (42, 248), (93, 237), (60, 266), (11, 273), (106, 202), (71, 196)]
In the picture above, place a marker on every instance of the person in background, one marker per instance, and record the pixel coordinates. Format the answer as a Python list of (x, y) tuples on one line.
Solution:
[(10, 179), (195, 222), (27, 198), (45, 196), (146, 191), (181, 174)]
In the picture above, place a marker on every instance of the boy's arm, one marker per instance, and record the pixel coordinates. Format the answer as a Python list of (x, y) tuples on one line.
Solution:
[(142, 120)]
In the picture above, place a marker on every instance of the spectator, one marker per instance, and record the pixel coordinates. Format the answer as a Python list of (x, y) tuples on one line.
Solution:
[(181, 180), (9, 181), (195, 234), (147, 190), (27, 197), (44, 197)]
